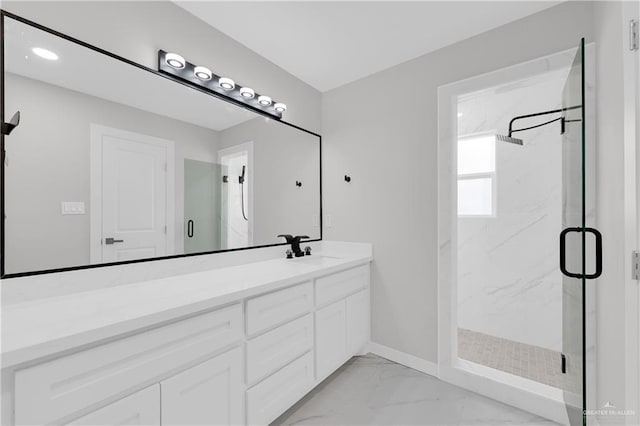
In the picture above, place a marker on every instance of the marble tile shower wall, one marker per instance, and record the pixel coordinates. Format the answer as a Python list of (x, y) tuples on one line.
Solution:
[(509, 284)]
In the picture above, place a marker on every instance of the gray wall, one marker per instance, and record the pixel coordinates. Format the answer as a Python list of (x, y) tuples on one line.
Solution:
[(282, 155), (385, 136), (49, 163)]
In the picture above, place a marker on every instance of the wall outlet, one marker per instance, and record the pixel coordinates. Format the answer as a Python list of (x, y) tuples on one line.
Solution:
[(329, 221), (72, 207)]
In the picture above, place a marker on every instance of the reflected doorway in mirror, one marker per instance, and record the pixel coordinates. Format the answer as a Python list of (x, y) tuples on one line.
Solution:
[(237, 195)]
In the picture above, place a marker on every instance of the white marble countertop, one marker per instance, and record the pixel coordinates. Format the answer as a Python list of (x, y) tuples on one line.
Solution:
[(40, 328)]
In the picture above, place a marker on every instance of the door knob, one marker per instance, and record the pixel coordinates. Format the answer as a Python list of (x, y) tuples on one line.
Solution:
[(112, 240)]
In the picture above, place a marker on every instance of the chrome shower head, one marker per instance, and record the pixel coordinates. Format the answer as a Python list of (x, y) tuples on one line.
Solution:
[(509, 139)]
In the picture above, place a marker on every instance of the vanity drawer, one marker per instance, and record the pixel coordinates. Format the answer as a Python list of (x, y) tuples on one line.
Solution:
[(55, 389), (338, 286), (273, 309), (276, 348), (273, 396)]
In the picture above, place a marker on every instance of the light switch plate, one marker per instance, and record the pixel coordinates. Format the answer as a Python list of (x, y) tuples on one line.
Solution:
[(72, 207)]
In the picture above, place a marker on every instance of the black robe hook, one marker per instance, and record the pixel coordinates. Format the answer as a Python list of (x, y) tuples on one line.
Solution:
[(7, 128)]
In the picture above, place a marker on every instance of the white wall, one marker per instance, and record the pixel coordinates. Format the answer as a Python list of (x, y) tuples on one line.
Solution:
[(49, 163), (385, 137), (282, 156), (611, 37), (509, 284)]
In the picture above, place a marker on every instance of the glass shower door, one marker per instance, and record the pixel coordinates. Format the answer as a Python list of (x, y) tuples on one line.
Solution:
[(201, 206), (573, 242)]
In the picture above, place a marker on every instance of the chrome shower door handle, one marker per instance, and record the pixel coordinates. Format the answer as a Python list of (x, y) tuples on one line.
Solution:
[(111, 240), (563, 259)]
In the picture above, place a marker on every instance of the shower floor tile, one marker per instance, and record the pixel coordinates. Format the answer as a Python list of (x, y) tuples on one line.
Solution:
[(528, 361)]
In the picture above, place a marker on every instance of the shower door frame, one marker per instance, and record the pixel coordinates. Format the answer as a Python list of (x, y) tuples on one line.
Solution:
[(522, 393)]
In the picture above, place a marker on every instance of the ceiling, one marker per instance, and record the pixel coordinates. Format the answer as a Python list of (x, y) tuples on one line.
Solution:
[(79, 68), (328, 44)]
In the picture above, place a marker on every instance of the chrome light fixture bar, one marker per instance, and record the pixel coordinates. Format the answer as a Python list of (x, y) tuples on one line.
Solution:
[(224, 87)]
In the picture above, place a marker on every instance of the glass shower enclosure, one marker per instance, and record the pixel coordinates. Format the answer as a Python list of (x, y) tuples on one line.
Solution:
[(521, 253)]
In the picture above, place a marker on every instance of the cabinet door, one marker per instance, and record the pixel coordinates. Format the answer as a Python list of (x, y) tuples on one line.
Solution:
[(210, 393), (141, 408), (331, 339), (357, 322)]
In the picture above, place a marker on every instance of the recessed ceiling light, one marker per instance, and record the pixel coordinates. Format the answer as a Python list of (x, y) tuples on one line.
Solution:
[(202, 73), (264, 100), (247, 92), (44, 53), (226, 83), (280, 107), (175, 60)]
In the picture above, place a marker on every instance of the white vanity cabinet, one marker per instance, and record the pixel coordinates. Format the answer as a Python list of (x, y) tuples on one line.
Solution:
[(342, 327), (331, 338), (207, 394), (244, 363), (72, 383), (142, 408)]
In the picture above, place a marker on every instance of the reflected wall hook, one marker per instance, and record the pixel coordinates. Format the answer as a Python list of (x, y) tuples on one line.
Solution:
[(7, 128), (347, 178), (298, 184)]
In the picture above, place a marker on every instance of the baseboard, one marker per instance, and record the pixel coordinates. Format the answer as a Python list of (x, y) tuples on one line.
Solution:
[(411, 361)]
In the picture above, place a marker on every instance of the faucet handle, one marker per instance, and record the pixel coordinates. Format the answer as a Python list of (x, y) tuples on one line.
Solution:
[(307, 251), (289, 254)]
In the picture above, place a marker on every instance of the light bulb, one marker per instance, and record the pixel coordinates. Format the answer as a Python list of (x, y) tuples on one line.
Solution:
[(247, 92), (280, 107), (226, 83), (264, 100), (202, 73), (175, 60)]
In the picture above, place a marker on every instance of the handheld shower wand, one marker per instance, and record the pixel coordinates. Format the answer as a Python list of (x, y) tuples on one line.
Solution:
[(241, 182)]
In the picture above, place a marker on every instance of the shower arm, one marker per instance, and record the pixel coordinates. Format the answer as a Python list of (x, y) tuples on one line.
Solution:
[(538, 114)]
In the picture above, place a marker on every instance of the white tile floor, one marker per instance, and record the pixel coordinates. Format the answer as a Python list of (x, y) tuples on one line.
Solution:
[(370, 390)]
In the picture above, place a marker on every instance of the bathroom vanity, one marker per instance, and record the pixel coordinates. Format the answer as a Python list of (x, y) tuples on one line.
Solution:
[(234, 345), (176, 164)]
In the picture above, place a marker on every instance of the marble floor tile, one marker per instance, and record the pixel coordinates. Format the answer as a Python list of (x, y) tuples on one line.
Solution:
[(369, 390)]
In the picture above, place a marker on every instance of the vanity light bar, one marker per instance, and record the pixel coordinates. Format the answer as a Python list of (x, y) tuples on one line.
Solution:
[(177, 67)]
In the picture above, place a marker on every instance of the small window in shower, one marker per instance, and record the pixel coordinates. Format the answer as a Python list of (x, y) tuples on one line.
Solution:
[(477, 176)]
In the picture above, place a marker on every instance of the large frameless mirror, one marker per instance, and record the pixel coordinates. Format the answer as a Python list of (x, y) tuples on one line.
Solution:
[(113, 162)]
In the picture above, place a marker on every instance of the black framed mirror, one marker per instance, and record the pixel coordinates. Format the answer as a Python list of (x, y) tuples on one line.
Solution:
[(113, 162)]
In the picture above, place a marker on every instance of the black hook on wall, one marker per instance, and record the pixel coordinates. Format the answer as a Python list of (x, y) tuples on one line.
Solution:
[(347, 178), (7, 128), (298, 184)]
